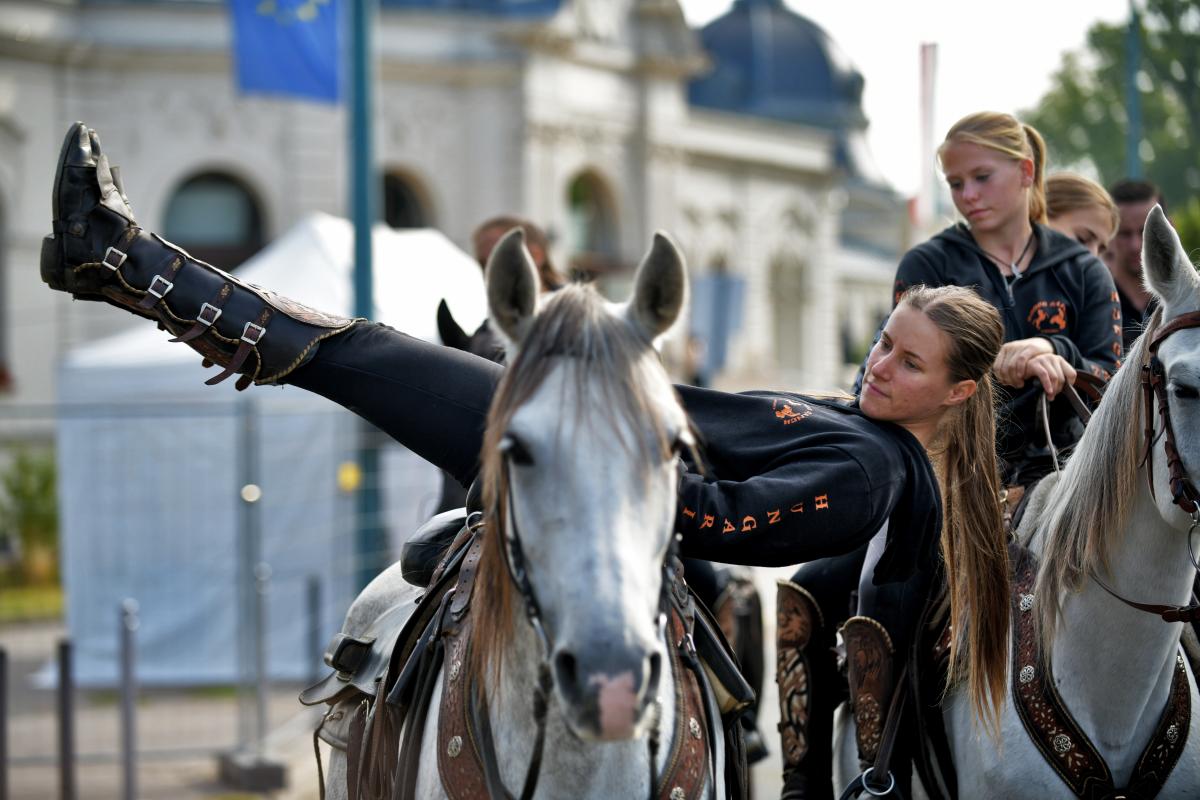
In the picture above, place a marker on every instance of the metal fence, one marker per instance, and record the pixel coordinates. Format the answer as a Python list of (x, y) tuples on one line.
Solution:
[(207, 551)]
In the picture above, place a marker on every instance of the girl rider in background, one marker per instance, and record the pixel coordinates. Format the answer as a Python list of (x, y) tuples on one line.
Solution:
[(1081, 209)]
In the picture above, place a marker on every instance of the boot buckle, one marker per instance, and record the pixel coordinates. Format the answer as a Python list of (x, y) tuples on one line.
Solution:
[(208, 314), (252, 334), (160, 280), (113, 259)]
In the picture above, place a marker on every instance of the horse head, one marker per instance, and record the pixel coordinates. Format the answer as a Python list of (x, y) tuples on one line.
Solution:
[(1170, 275), (580, 476)]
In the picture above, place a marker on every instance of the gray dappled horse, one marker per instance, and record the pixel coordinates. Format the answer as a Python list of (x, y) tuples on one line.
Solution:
[(579, 468)]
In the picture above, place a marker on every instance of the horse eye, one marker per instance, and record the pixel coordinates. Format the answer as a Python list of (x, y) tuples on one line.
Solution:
[(514, 449), (1185, 392)]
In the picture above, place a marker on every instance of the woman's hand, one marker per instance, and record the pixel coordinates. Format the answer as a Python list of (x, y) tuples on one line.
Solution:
[(1023, 359)]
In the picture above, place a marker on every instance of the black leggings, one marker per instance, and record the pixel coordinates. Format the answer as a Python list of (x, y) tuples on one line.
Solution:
[(432, 399)]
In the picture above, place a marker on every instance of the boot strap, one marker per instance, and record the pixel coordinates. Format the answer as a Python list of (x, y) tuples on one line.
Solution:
[(252, 334), (209, 313), (162, 282)]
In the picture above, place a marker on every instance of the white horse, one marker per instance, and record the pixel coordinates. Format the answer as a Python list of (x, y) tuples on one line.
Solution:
[(579, 467), (1112, 665)]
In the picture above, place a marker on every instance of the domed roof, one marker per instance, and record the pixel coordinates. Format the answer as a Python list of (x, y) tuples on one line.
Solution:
[(769, 61)]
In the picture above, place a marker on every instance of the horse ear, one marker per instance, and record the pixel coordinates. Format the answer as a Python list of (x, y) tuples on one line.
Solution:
[(1166, 268), (448, 328), (512, 286), (660, 288)]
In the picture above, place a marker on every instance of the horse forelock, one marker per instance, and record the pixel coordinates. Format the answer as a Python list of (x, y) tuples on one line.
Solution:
[(1090, 506), (576, 323)]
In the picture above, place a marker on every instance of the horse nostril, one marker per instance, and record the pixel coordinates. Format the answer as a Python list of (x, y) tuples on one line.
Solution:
[(566, 673)]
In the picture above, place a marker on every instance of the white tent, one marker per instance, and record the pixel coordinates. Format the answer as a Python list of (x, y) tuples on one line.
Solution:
[(151, 462)]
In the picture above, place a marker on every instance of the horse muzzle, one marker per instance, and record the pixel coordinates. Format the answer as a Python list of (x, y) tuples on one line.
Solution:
[(606, 691)]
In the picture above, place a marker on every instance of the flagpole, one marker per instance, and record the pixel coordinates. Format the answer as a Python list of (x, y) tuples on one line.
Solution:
[(371, 541)]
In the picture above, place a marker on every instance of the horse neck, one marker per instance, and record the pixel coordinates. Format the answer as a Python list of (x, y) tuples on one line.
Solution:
[(1113, 664), (613, 768)]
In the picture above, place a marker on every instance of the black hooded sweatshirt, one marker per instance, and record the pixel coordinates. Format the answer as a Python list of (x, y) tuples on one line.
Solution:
[(1065, 295), (791, 479)]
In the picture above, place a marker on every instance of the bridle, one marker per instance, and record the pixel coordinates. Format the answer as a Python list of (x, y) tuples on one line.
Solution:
[(514, 559), (1183, 492)]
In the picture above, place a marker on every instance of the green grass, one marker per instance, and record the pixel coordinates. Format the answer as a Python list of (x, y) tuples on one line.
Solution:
[(29, 603)]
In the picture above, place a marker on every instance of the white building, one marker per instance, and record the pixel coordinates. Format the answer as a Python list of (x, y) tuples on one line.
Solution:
[(603, 120)]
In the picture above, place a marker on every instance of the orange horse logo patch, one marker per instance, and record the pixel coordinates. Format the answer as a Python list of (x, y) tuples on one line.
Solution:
[(1048, 316), (790, 411)]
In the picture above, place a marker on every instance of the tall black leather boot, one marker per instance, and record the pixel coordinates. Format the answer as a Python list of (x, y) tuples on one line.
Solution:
[(98, 252), (809, 691)]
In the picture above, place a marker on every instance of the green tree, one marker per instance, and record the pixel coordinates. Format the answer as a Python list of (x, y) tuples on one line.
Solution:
[(29, 510), (1083, 115)]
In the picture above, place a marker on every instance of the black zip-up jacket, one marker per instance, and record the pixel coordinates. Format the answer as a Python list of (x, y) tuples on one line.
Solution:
[(1065, 295), (792, 479)]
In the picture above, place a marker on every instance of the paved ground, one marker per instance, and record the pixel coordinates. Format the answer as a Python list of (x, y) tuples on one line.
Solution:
[(180, 732)]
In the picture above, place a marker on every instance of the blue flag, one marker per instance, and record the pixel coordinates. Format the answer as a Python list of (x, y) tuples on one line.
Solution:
[(288, 47)]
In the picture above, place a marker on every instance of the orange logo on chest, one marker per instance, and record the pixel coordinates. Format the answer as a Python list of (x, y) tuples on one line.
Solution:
[(1048, 316), (790, 411)]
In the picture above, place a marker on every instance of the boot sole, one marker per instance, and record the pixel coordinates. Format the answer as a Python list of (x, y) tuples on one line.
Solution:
[(72, 136)]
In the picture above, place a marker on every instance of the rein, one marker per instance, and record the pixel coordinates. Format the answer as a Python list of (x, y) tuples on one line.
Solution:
[(1183, 492)]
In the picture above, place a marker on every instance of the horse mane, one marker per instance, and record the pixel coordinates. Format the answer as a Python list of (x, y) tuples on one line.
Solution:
[(1095, 494), (577, 323)]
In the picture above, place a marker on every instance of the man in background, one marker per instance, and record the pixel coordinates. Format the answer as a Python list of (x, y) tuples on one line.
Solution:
[(1134, 199)]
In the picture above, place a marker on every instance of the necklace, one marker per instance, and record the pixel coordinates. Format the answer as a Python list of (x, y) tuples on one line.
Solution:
[(1015, 264)]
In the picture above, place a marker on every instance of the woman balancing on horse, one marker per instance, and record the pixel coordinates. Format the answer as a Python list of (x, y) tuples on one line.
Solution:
[(789, 478), (1060, 316)]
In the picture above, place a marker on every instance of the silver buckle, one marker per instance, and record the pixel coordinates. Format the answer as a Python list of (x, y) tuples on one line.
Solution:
[(113, 258), (259, 332), (214, 312), (160, 279)]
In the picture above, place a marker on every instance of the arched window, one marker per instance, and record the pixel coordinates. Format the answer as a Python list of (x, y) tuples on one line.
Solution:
[(216, 218), (403, 201), (593, 227)]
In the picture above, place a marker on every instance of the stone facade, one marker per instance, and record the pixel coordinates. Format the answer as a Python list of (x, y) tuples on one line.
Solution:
[(479, 115)]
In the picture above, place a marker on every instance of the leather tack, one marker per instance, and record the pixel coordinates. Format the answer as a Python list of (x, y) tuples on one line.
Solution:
[(1063, 744)]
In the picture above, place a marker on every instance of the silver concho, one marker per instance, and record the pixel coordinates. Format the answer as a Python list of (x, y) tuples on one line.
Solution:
[(677, 794), (1026, 674), (454, 746), (694, 727), (1062, 743), (1173, 734), (1026, 602)]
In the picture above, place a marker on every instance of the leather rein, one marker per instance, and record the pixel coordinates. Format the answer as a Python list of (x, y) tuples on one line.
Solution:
[(1183, 492)]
